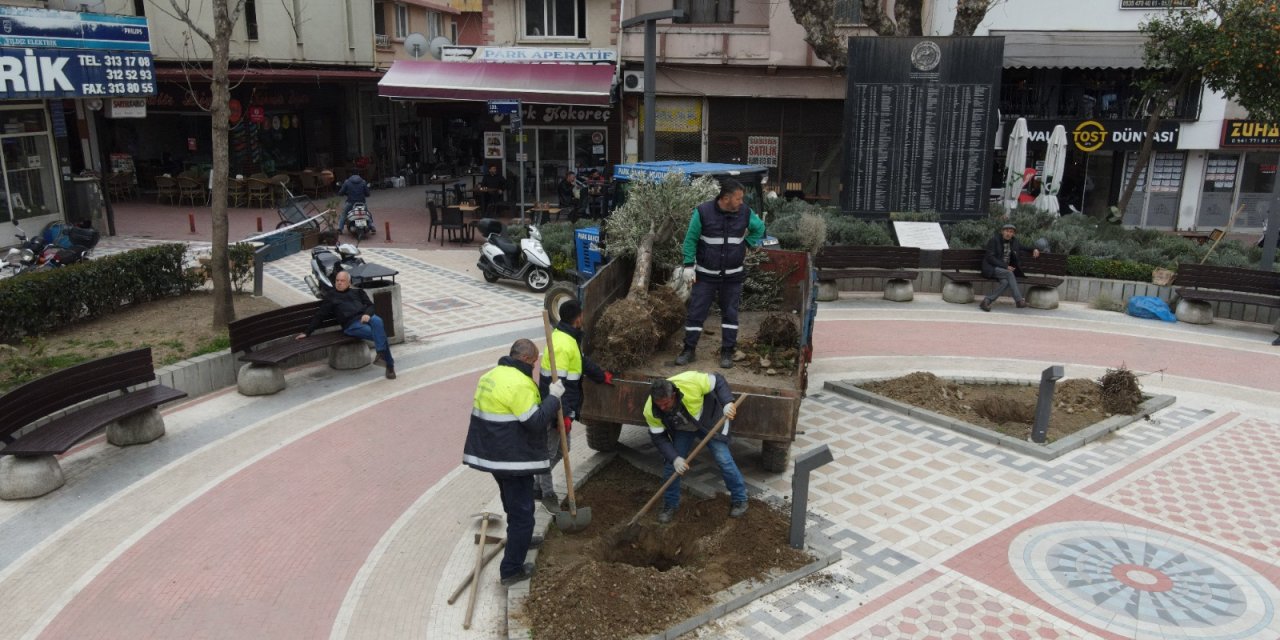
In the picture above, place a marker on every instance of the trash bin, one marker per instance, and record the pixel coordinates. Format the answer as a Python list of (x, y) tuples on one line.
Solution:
[(386, 303), (587, 248), (84, 200)]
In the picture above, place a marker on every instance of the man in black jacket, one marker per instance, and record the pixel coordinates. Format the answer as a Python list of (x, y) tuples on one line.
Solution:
[(569, 193), (1002, 262), (354, 311)]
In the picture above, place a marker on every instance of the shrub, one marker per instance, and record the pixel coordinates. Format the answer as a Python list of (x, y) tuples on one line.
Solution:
[(1090, 267), (43, 301), (847, 230)]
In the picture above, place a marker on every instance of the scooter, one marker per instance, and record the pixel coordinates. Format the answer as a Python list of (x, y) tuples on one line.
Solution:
[(359, 222), (22, 258), (500, 258), (326, 262)]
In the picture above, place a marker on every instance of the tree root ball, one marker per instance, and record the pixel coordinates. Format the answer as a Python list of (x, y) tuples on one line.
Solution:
[(667, 310), (625, 334), (778, 330), (1121, 393)]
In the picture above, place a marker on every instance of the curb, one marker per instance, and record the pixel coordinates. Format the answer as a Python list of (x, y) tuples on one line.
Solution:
[(849, 389)]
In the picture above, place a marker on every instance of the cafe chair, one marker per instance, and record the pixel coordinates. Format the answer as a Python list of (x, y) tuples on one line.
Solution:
[(166, 188), (434, 221), (452, 224), (237, 194), (190, 189), (259, 191)]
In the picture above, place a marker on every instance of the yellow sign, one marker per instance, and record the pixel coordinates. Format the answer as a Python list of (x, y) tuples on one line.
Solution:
[(1249, 133), (1089, 136), (676, 115)]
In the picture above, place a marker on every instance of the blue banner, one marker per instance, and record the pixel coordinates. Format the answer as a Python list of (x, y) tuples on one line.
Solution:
[(56, 73), (48, 29)]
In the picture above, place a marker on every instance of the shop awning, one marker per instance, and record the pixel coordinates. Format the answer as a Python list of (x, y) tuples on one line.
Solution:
[(579, 84), (1073, 49)]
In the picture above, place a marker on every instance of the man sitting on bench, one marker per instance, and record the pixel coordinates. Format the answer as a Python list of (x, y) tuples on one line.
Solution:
[(1002, 263), (354, 312)]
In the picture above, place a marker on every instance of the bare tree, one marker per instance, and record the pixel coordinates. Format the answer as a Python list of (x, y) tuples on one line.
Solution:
[(225, 15), (884, 17)]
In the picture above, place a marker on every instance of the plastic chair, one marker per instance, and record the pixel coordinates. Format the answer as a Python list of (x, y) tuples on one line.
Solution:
[(452, 224), (259, 190), (190, 189), (166, 187), (434, 221), (237, 194), (279, 186)]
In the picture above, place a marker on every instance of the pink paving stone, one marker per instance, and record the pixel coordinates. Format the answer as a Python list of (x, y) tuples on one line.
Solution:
[(1049, 634), (965, 607), (878, 631), (909, 612), (1019, 619), (992, 606), (1019, 634), (907, 627), (937, 625), (964, 623), (992, 621), (938, 610), (991, 635)]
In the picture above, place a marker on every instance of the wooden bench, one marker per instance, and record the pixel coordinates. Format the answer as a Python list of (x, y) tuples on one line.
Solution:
[(28, 463), (1199, 285), (895, 264), (963, 267), (268, 341)]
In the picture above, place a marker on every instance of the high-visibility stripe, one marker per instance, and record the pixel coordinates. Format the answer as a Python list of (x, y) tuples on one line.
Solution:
[(564, 375), (724, 431), (710, 240), (506, 466), (693, 328), (706, 270), (729, 326), (494, 417), (657, 429)]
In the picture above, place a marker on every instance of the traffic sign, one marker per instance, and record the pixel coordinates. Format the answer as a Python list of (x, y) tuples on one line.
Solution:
[(504, 107)]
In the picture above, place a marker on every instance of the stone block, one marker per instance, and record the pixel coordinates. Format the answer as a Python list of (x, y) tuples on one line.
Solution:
[(260, 380), (1042, 297), (350, 356), (29, 477), (957, 292), (828, 290), (136, 429), (899, 291), (1194, 312)]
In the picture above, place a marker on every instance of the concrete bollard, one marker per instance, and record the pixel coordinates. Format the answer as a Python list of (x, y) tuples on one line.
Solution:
[(957, 292), (805, 463), (136, 429), (1194, 312), (899, 290), (29, 477), (1042, 297), (259, 380)]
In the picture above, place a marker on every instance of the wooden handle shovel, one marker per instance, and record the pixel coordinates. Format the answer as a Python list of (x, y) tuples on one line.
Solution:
[(573, 520)]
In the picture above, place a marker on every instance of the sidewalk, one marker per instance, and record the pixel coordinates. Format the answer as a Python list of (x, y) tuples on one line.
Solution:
[(338, 508)]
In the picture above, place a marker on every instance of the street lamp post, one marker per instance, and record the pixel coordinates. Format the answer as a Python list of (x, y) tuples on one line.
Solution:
[(650, 72)]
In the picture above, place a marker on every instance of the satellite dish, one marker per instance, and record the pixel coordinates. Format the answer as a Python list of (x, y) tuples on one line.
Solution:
[(416, 45), (438, 44)]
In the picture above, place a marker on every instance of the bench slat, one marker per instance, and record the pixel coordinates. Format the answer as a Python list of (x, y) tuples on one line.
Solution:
[(1197, 276), (831, 274), (1049, 264), (61, 434), (1208, 295), (852, 256), (247, 333), (285, 349), (68, 387)]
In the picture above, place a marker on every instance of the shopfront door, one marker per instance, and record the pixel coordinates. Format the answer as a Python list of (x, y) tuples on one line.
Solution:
[(30, 191), (1155, 200), (550, 152), (1220, 179), (1257, 181)]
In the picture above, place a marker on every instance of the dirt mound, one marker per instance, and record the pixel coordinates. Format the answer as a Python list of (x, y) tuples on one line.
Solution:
[(778, 330), (590, 587), (922, 389)]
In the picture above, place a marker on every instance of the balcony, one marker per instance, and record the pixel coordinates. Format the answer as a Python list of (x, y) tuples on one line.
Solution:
[(382, 42)]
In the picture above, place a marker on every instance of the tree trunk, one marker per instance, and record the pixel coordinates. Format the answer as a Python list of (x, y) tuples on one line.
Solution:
[(1158, 99), (909, 16), (223, 306), (875, 16), (969, 14), (819, 30), (644, 265)]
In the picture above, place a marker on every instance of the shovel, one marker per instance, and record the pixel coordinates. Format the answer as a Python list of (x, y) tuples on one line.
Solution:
[(631, 529), (573, 520)]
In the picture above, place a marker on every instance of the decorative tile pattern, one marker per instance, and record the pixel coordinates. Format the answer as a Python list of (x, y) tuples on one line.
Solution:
[(439, 305), (962, 611), (1232, 504), (1135, 581)]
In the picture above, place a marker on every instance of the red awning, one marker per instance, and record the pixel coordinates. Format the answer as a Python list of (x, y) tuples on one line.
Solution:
[(581, 84)]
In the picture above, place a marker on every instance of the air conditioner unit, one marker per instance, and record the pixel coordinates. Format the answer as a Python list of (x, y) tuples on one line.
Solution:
[(632, 81)]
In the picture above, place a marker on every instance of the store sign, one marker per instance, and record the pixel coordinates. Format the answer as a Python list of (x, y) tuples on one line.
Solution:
[(455, 53), (1157, 4), (1104, 135), (48, 29), (545, 114), (1248, 133), (55, 73), (126, 108), (762, 150), (257, 115)]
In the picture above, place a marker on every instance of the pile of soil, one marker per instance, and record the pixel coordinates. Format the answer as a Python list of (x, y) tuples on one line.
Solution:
[(1005, 408), (772, 351), (608, 582)]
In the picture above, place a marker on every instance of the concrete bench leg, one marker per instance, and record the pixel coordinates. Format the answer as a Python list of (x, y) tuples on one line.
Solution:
[(352, 355), (136, 429), (828, 290), (957, 292), (29, 477), (1042, 297), (1194, 312), (899, 290), (259, 380)]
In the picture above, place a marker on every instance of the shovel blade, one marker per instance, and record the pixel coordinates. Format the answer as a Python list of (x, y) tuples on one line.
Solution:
[(572, 523)]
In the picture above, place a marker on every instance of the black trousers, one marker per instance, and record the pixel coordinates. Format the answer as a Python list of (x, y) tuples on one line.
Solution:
[(705, 291), (517, 501)]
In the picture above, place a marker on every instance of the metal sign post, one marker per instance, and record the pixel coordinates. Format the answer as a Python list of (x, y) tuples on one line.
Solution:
[(513, 108)]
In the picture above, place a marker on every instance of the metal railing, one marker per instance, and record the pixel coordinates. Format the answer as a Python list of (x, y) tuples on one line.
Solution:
[(382, 41)]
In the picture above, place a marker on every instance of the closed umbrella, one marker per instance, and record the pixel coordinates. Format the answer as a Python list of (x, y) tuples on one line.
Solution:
[(1015, 164), (1055, 161)]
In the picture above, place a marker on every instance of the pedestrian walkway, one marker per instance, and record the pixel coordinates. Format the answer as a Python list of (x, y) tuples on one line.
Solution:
[(338, 508)]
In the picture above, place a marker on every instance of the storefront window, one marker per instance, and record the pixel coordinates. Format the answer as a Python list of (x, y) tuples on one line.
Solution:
[(1220, 174), (1257, 182), (27, 163)]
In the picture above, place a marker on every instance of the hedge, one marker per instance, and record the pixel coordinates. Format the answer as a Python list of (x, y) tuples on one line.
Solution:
[(44, 301), (1087, 267)]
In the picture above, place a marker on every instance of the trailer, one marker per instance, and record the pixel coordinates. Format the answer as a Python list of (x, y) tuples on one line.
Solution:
[(772, 412)]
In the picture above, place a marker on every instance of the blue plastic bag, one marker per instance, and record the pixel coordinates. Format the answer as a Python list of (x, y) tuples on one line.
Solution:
[(1150, 307)]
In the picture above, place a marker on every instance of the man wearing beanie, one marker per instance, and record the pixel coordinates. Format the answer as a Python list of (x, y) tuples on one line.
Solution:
[(571, 365), (1001, 262)]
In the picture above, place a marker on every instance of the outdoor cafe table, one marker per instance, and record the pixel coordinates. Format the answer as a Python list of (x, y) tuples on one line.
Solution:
[(444, 186), (544, 213)]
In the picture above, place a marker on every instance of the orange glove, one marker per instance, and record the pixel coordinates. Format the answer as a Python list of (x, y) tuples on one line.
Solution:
[(568, 425)]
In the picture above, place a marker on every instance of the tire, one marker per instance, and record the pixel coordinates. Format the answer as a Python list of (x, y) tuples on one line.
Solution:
[(282, 224), (603, 436), (361, 234), (538, 279), (774, 456), (489, 276), (556, 295)]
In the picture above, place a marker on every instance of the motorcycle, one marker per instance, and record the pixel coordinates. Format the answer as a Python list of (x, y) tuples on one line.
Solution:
[(55, 246), (501, 258), (359, 222), (326, 262)]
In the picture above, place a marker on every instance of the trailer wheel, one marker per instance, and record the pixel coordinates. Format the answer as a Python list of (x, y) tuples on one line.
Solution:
[(556, 296), (774, 455), (603, 436)]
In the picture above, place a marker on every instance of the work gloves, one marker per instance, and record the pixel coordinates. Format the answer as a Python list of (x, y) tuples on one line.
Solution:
[(730, 411), (690, 275), (556, 389), (680, 465), (608, 377)]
